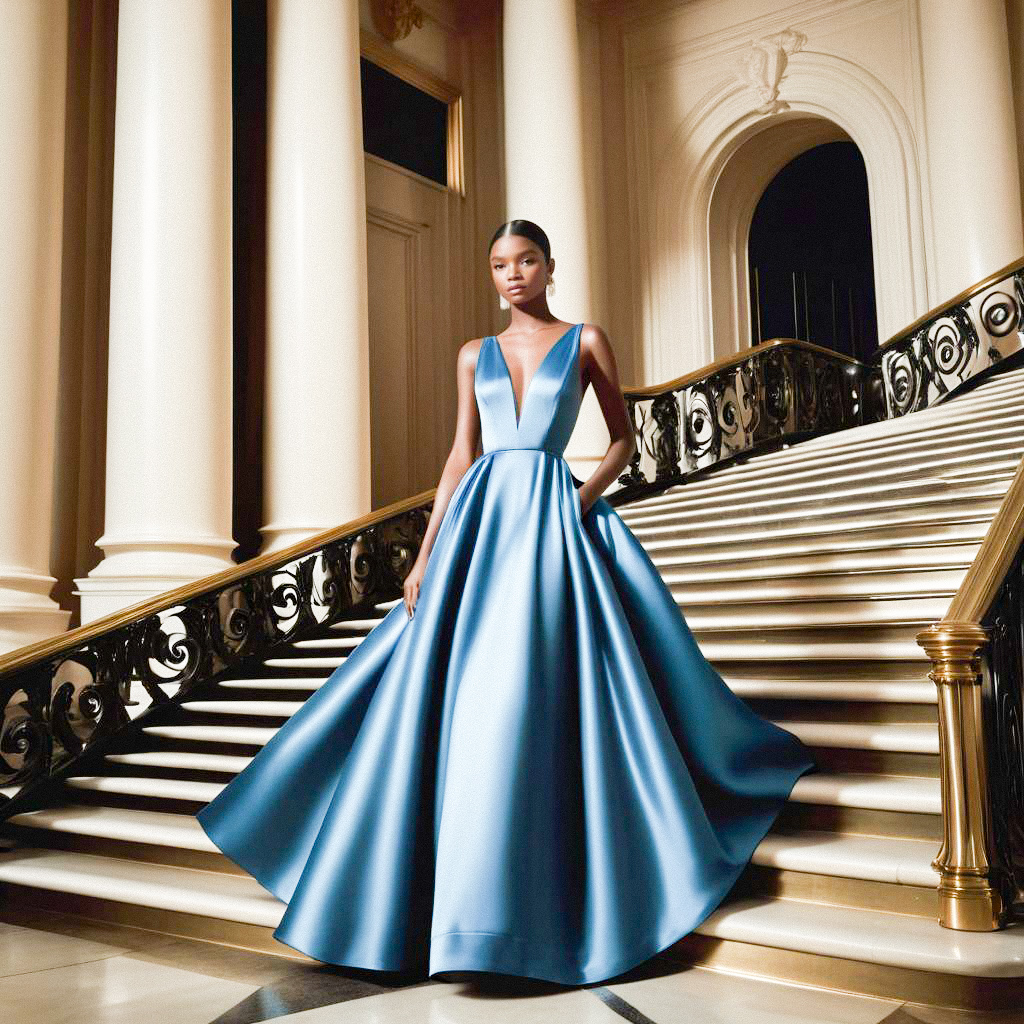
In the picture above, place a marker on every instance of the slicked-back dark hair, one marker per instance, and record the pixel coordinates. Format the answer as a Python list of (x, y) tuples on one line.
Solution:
[(526, 228)]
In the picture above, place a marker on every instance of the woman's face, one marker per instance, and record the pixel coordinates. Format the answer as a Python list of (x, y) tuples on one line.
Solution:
[(518, 269)]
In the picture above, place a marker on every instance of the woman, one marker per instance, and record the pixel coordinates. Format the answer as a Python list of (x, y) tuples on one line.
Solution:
[(527, 767)]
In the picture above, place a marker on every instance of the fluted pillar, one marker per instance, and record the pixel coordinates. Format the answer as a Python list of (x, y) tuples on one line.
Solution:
[(317, 415), (545, 171), (33, 45), (971, 140), (169, 414)]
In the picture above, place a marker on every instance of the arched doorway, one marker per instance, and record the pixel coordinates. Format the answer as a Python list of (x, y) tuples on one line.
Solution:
[(692, 233), (810, 253)]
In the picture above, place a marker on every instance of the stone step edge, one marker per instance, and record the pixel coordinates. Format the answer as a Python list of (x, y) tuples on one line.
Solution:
[(872, 936), (872, 858), (912, 794)]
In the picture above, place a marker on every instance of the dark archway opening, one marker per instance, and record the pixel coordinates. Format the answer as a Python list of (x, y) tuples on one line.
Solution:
[(811, 265)]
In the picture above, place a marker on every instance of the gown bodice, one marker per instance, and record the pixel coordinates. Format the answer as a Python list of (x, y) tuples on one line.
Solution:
[(551, 401)]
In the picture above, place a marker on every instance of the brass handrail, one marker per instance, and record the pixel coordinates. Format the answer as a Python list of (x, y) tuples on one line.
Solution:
[(735, 359), (970, 873), (960, 297), (1002, 541)]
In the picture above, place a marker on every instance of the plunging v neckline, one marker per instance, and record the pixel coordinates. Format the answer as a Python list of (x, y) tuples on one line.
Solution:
[(518, 406)]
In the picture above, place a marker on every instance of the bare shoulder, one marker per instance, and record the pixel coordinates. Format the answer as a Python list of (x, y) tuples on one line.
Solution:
[(594, 341), (468, 353)]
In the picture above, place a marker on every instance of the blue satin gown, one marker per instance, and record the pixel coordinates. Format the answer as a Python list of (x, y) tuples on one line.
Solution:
[(539, 773)]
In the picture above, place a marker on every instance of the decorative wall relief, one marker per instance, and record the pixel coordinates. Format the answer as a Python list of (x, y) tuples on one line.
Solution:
[(763, 65), (395, 19)]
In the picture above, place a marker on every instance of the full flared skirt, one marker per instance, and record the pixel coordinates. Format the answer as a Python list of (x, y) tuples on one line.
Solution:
[(538, 774)]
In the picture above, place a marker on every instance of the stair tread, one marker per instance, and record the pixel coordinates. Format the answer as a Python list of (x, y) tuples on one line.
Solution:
[(877, 858), (168, 887), (880, 792), (903, 691), (899, 861), (159, 828), (872, 936), (908, 737), (903, 793)]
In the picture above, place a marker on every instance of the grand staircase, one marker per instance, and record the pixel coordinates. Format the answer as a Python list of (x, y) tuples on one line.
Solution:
[(805, 575)]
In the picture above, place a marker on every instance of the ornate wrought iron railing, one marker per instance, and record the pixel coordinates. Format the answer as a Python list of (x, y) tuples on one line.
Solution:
[(64, 699), (977, 653), (787, 390), (779, 391), (945, 348)]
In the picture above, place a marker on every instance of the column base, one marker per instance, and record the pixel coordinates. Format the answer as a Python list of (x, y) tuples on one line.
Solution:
[(277, 538), (135, 571), (969, 904), (27, 612)]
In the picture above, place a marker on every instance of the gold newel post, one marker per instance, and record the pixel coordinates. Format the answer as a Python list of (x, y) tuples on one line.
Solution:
[(969, 895)]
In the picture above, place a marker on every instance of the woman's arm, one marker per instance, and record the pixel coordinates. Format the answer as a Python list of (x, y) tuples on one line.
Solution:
[(460, 458), (600, 369)]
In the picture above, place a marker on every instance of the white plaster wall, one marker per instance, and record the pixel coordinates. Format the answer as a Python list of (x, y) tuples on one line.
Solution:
[(686, 113)]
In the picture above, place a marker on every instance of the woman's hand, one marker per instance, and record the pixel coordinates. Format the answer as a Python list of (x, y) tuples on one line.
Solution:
[(411, 587), (585, 500)]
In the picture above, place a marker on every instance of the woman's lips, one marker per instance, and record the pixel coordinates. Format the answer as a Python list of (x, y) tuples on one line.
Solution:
[(518, 288)]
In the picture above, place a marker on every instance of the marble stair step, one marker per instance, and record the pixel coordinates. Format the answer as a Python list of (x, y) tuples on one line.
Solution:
[(867, 936), (213, 894), (824, 498), (296, 683), (723, 646), (872, 525), (184, 760), (850, 449), (840, 690), (798, 467), (124, 824), (892, 583), (998, 447), (897, 557), (906, 737), (736, 647), (903, 691), (249, 736), (166, 887), (822, 613), (834, 511), (897, 793), (868, 792), (912, 535), (871, 858)]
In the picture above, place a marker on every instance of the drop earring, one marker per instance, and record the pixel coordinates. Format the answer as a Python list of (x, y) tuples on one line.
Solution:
[(503, 303), (551, 286)]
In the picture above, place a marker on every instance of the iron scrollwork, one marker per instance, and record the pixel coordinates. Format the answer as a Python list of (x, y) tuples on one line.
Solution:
[(779, 392), (1003, 694), (61, 707), (952, 347)]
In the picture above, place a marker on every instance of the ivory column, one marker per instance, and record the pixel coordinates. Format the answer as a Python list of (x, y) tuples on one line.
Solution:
[(33, 44), (545, 171), (169, 416), (317, 416), (971, 140)]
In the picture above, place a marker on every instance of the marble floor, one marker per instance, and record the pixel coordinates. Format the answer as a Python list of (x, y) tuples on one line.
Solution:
[(56, 969)]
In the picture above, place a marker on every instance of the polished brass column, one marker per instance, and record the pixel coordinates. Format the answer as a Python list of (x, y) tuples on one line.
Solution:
[(969, 897)]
